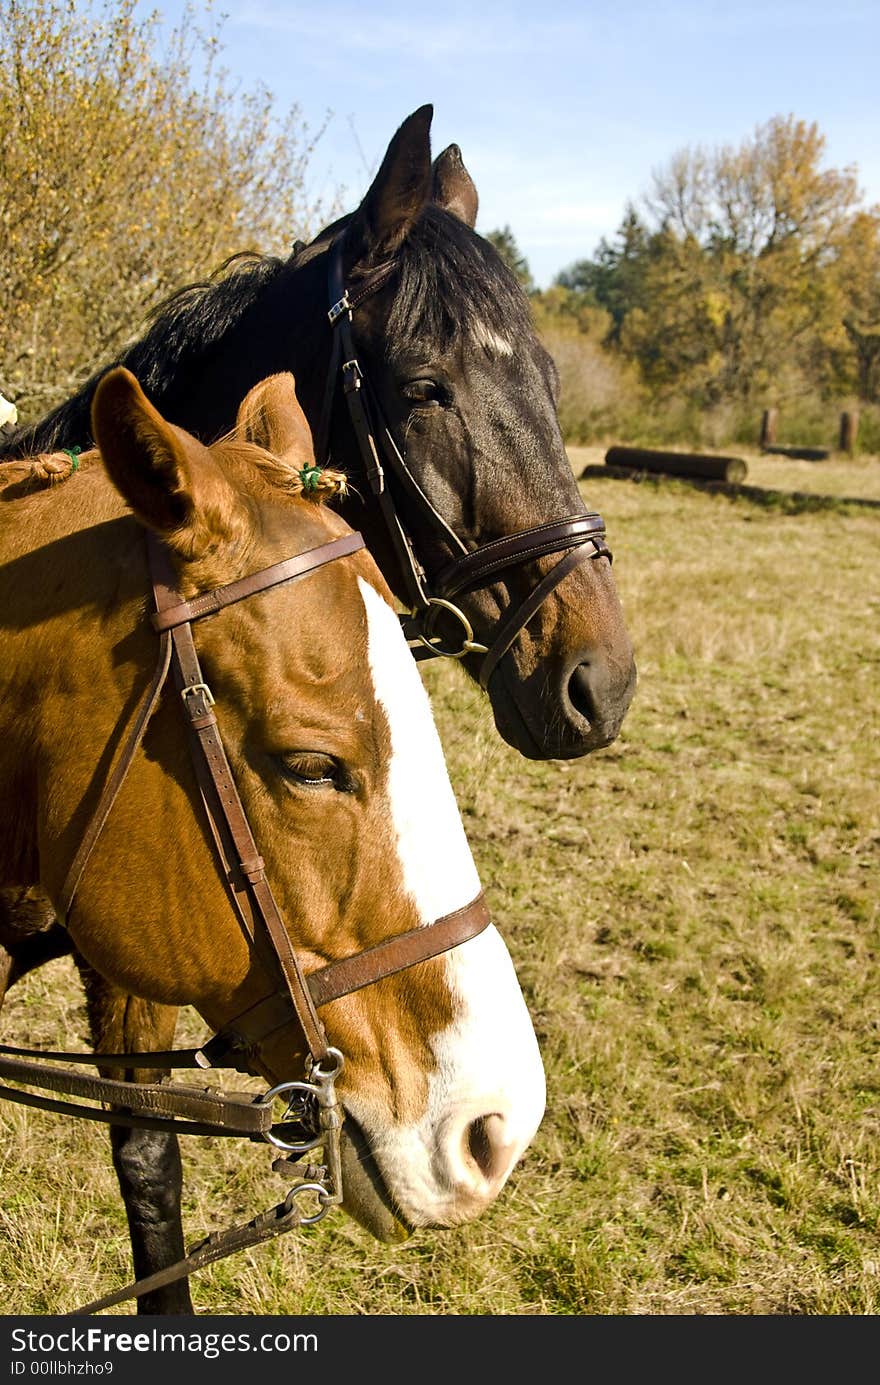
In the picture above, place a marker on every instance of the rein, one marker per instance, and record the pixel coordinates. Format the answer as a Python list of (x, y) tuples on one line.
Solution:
[(313, 1116), (578, 537)]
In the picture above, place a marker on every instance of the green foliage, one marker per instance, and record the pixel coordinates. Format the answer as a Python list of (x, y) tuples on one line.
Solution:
[(614, 278)]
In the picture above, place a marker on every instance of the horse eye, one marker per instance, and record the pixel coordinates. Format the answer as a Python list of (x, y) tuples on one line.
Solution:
[(424, 392), (312, 768)]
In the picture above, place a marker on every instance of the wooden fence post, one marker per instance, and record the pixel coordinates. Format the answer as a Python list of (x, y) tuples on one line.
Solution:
[(769, 421), (849, 428)]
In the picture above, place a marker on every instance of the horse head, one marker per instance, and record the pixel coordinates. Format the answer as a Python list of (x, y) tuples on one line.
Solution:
[(463, 396), (338, 765)]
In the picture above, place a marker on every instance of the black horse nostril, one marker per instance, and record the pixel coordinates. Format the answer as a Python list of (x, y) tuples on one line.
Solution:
[(580, 693)]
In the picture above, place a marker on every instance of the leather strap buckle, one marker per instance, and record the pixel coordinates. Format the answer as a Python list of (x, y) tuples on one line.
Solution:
[(343, 305), (198, 690)]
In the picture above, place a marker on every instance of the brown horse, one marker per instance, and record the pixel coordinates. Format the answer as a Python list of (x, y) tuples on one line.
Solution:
[(339, 768)]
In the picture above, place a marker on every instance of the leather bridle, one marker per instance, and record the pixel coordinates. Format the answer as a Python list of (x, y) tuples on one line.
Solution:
[(313, 1117), (578, 537)]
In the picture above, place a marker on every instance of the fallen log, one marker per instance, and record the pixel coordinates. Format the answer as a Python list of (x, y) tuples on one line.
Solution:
[(803, 454), (706, 465), (790, 502)]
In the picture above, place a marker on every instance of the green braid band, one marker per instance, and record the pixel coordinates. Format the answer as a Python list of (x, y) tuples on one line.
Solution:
[(310, 476), (73, 454)]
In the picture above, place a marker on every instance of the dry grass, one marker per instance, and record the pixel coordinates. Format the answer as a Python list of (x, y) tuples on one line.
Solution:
[(694, 916)]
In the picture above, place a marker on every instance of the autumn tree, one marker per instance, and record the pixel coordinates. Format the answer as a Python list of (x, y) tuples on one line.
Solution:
[(736, 282), (771, 223), (859, 273), (129, 166)]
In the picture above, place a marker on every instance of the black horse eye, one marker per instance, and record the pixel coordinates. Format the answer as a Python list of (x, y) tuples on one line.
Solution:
[(313, 769), (424, 392)]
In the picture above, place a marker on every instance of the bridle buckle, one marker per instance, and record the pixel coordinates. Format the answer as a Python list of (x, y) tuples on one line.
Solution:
[(198, 690), (352, 376), (343, 305)]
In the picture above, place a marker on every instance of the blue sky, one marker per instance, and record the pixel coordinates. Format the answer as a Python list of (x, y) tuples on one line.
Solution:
[(562, 110)]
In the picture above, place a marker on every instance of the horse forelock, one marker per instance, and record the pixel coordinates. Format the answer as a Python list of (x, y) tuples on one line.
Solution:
[(451, 283)]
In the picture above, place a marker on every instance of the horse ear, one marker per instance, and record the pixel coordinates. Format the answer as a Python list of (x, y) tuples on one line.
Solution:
[(397, 194), (270, 415), (453, 188), (169, 479)]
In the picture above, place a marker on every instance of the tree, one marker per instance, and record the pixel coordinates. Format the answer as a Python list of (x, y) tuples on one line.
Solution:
[(128, 168), (743, 279), (613, 279), (735, 281), (509, 251), (859, 272)]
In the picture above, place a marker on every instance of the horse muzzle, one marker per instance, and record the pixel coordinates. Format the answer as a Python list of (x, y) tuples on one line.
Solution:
[(577, 709)]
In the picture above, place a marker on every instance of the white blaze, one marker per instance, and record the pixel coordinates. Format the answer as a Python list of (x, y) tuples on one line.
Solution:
[(488, 1062), (438, 867), (495, 344)]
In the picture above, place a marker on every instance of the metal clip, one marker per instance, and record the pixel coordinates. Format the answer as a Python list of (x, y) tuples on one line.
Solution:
[(352, 375), (343, 306)]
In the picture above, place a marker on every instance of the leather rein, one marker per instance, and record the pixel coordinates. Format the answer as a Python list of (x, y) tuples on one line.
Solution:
[(578, 537), (313, 1117)]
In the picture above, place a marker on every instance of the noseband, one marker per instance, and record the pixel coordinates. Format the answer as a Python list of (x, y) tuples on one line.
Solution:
[(577, 537)]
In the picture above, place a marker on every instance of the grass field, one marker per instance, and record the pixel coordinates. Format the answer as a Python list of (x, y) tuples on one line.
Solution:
[(693, 913)]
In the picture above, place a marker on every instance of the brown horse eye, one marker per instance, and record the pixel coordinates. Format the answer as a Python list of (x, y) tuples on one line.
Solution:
[(311, 767)]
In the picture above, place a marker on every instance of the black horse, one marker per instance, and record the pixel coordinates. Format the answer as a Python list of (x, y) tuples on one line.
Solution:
[(420, 373), (460, 420)]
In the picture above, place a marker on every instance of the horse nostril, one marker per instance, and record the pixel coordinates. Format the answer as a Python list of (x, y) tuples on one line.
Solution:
[(487, 1146), (580, 693)]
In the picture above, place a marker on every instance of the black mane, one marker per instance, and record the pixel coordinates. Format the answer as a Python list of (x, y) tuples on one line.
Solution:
[(197, 317), (182, 327)]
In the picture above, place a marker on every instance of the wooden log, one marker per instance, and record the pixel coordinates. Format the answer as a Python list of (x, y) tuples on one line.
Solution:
[(677, 463), (849, 429), (769, 421), (793, 502), (804, 454)]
